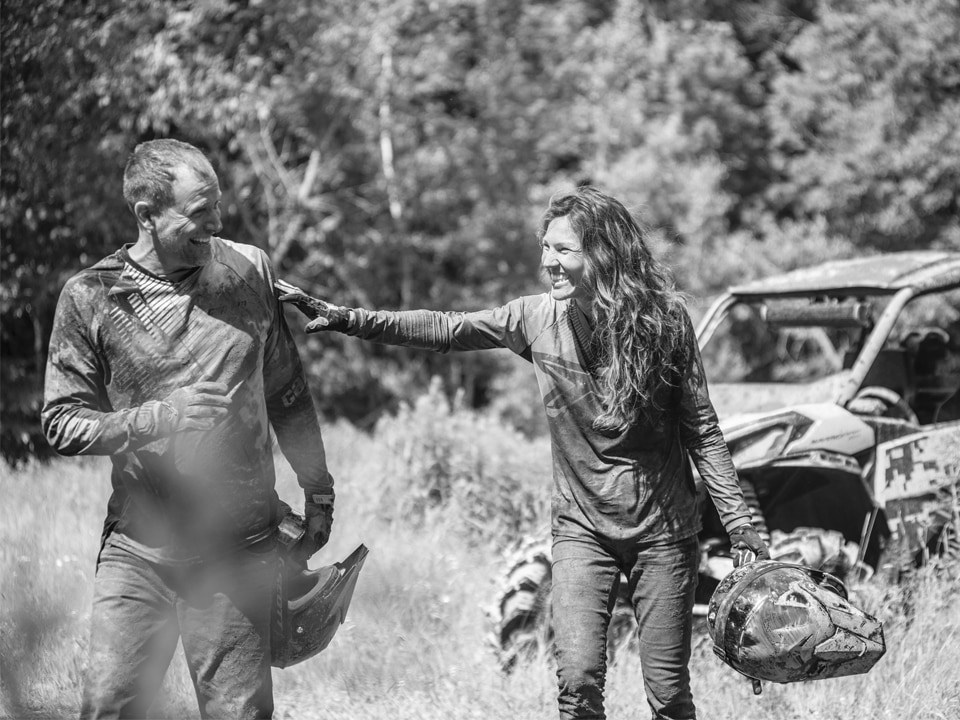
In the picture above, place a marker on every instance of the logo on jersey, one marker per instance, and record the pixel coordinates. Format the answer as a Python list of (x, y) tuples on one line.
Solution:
[(570, 384)]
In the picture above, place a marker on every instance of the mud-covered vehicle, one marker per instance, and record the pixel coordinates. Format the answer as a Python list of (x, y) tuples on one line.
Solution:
[(837, 391)]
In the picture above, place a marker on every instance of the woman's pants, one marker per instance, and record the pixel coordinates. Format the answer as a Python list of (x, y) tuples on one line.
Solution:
[(662, 580)]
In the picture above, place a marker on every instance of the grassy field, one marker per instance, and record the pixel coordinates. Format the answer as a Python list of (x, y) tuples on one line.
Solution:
[(414, 645)]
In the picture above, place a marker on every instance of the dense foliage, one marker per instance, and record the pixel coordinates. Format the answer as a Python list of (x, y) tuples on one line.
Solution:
[(444, 459), (396, 153)]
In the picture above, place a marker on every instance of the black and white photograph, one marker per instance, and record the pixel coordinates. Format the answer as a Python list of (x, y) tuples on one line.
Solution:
[(480, 359)]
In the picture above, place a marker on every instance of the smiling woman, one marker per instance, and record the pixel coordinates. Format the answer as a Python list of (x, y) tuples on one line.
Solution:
[(618, 367), (562, 259)]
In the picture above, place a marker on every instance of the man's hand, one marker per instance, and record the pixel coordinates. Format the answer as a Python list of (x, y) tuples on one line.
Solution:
[(199, 406), (318, 516), (747, 545), (319, 524), (323, 315), (195, 407)]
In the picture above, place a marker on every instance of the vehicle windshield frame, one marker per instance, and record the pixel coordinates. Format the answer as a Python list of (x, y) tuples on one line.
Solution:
[(798, 315), (842, 385)]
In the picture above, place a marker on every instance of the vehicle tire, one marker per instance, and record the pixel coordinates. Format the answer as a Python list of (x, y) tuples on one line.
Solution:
[(522, 627), (520, 618)]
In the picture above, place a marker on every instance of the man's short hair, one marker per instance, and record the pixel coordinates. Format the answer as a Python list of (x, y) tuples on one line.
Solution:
[(151, 170)]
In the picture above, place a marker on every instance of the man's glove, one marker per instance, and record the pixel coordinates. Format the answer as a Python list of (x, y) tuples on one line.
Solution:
[(323, 315), (747, 545), (195, 407), (318, 514)]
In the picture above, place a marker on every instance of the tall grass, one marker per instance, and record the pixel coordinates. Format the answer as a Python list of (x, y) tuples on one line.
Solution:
[(414, 644)]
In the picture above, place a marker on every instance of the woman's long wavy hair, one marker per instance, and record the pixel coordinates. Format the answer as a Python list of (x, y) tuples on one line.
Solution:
[(640, 323)]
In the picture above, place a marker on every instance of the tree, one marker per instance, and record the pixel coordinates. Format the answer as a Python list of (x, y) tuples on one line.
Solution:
[(396, 153), (60, 196), (866, 135)]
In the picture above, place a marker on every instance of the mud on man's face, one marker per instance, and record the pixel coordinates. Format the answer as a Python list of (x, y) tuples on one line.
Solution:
[(183, 230)]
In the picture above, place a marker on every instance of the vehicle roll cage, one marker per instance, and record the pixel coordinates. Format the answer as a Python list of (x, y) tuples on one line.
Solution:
[(829, 314)]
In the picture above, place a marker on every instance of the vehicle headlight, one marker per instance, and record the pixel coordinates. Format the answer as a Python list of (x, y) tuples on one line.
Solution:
[(767, 439)]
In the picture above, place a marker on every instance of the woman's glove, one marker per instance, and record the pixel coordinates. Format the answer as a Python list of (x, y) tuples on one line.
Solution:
[(747, 545), (323, 315)]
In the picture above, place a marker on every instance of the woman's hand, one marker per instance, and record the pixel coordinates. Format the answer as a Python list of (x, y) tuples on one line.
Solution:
[(747, 545), (323, 315)]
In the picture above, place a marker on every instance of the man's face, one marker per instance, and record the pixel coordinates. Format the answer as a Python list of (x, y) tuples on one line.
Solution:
[(562, 259), (183, 230)]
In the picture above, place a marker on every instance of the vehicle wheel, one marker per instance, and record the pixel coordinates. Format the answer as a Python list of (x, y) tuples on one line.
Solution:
[(819, 549), (521, 617), (521, 622)]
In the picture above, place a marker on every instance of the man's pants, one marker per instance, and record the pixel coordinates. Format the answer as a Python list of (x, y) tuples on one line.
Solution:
[(220, 611), (662, 580)]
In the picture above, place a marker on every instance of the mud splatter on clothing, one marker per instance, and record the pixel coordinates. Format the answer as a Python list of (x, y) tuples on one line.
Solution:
[(123, 337), (635, 484)]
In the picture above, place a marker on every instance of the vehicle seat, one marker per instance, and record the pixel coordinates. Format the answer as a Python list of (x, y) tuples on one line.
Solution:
[(936, 371), (892, 369)]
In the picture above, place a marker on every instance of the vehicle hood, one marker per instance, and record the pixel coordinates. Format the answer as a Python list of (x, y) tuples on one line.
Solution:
[(736, 399), (817, 427)]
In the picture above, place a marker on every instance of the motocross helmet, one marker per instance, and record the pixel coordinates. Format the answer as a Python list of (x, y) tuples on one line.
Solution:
[(311, 606), (784, 623)]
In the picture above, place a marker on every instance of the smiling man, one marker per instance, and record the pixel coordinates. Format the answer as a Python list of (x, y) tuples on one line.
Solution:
[(172, 356), (176, 225)]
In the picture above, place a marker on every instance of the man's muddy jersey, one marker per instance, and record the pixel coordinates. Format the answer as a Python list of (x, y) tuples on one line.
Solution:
[(123, 337), (634, 484)]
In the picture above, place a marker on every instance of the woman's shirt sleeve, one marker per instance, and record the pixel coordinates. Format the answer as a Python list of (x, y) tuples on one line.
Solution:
[(700, 433), (501, 327)]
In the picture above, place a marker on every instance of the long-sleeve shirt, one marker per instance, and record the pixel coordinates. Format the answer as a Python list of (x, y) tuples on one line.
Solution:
[(631, 485), (123, 339)]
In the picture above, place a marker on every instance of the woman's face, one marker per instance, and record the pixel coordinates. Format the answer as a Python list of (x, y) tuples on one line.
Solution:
[(561, 257)]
